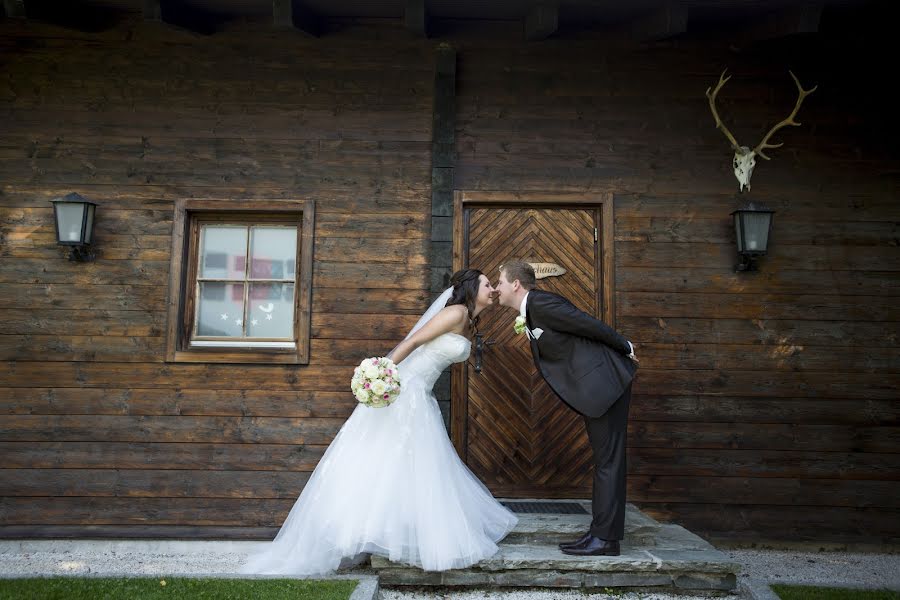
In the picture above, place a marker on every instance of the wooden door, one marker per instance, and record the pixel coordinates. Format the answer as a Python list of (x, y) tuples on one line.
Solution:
[(515, 434)]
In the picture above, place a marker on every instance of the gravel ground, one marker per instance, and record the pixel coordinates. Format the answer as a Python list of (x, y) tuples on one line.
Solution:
[(181, 558), (845, 569)]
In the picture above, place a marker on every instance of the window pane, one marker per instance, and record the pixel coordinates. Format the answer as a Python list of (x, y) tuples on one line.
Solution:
[(221, 311), (273, 252), (224, 252), (271, 312)]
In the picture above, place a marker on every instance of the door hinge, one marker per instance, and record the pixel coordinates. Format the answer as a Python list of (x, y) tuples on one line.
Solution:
[(596, 238)]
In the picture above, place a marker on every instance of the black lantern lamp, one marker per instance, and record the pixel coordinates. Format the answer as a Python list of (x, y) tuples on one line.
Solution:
[(752, 226), (75, 224)]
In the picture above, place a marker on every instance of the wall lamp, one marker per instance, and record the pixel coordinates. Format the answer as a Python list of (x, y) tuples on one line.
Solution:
[(74, 217), (752, 226)]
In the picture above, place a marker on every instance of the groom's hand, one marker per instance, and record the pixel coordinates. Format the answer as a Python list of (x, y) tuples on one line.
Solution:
[(631, 355)]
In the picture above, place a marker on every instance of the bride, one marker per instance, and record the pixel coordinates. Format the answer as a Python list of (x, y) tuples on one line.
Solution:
[(391, 482)]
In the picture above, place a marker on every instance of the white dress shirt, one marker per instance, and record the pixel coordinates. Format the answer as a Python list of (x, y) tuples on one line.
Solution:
[(528, 332)]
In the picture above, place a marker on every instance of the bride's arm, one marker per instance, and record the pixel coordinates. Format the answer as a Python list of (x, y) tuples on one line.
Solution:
[(451, 318)]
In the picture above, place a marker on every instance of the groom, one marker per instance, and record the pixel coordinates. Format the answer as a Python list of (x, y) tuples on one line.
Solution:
[(590, 367)]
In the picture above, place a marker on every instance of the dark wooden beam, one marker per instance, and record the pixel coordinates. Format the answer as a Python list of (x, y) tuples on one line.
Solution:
[(665, 22), (541, 21), (282, 13), (152, 10), (443, 161), (792, 21), (14, 8), (416, 17), (291, 13)]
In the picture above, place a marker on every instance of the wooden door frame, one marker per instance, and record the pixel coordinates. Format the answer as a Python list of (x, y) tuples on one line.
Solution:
[(459, 396)]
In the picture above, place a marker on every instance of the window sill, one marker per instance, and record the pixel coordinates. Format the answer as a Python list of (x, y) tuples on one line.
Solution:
[(288, 356), (243, 346)]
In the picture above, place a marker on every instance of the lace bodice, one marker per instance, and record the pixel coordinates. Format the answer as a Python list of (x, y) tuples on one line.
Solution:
[(429, 360)]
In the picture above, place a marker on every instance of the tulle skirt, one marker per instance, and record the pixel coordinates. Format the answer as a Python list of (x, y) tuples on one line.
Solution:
[(391, 484)]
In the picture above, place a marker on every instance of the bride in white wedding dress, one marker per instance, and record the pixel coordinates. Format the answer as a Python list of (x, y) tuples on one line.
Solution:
[(391, 482)]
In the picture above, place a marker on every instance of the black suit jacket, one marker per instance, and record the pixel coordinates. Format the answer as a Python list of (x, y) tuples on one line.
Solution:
[(583, 359)]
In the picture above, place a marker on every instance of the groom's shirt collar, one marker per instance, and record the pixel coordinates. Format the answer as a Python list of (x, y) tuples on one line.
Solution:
[(524, 304)]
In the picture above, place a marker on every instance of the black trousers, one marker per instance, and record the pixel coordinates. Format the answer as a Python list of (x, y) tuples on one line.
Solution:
[(607, 435)]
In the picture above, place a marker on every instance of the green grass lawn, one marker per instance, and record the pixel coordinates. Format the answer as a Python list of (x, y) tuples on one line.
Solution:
[(806, 592), (154, 588)]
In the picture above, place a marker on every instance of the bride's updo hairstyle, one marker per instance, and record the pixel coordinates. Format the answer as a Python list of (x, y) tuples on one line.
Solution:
[(465, 284)]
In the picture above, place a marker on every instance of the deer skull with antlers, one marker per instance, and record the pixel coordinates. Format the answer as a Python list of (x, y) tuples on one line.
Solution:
[(744, 157)]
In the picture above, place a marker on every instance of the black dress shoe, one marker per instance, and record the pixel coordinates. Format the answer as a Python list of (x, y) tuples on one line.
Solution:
[(582, 540), (595, 547)]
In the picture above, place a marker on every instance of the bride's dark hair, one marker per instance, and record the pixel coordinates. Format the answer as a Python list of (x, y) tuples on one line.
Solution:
[(465, 284)]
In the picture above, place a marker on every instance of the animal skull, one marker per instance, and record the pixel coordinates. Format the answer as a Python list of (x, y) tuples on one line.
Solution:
[(745, 158), (743, 163)]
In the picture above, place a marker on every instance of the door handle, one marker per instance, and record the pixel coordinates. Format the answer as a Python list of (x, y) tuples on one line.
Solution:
[(480, 345)]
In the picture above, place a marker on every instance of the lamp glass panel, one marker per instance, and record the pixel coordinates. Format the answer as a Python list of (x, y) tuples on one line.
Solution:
[(756, 231), (70, 216)]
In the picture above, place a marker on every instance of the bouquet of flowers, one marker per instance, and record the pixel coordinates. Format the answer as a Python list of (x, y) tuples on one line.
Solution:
[(376, 382)]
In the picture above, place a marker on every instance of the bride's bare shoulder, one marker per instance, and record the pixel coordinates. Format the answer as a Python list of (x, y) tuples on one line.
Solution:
[(457, 312)]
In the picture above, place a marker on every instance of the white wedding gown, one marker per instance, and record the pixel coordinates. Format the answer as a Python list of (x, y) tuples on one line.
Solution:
[(392, 484)]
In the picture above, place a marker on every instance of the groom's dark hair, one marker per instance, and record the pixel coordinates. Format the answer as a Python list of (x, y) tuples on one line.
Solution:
[(521, 270)]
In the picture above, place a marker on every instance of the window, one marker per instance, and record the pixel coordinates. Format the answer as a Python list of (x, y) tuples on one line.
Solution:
[(240, 282)]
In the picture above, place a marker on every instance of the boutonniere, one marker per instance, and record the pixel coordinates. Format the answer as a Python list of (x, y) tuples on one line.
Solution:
[(519, 325)]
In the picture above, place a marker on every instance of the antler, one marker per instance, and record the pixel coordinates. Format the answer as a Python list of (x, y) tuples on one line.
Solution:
[(712, 106), (789, 121)]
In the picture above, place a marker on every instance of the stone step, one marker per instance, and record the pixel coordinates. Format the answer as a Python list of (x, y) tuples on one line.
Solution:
[(676, 559), (640, 530), (545, 566)]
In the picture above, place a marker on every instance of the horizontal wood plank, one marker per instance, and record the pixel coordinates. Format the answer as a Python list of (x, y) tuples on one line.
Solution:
[(161, 455), (762, 306), (738, 523), (151, 483), (140, 532), (87, 512), (722, 279), (399, 198), (224, 430), (773, 491), (780, 256), (769, 357), (849, 466), (724, 409), (836, 334), (255, 402)]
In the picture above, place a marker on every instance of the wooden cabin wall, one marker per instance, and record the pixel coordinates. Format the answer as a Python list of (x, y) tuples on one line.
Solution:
[(98, 433), (766, 405)]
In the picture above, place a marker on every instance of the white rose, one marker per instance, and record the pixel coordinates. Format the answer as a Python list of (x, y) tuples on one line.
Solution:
[(362, 395), (378, 387), (370, 371)]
